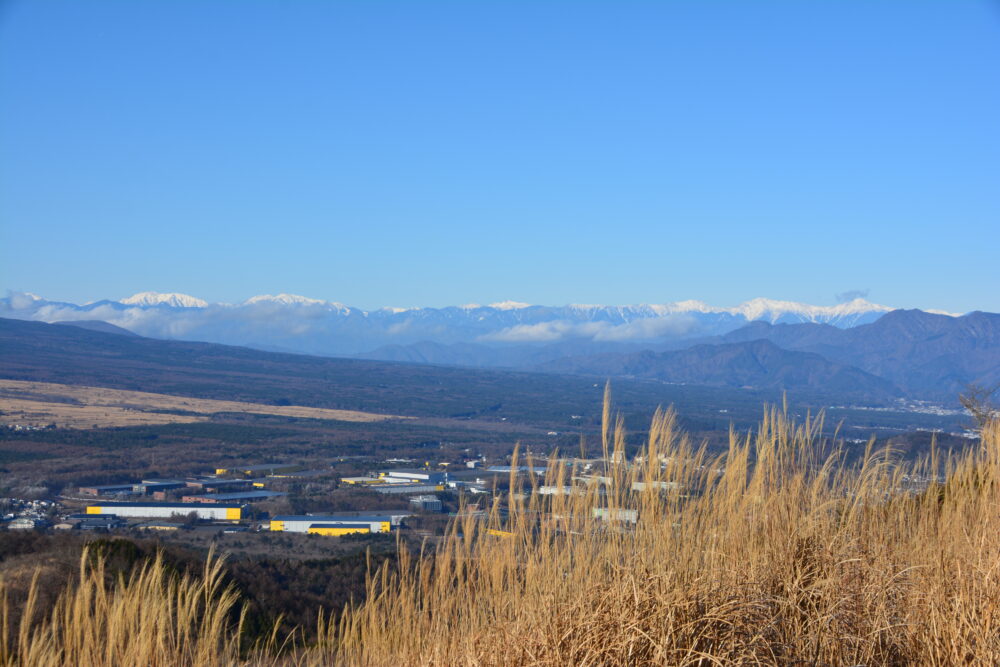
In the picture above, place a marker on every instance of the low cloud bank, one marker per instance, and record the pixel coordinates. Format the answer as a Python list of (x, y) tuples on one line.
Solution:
[(557, 330), (852, 294)]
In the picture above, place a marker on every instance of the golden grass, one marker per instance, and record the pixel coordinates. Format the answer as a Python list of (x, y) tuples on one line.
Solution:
[(32, 404), (27, 412), (154, 617), (776, 552)]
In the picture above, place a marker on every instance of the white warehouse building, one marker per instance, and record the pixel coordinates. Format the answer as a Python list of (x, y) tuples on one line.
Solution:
[(432, 477), (209, 511), (332, 524)]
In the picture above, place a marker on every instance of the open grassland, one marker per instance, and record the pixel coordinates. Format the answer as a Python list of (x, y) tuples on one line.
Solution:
[(26, 412), (69, 406), (776, 552)]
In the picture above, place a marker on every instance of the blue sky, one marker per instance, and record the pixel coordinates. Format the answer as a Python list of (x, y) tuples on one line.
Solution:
[(425, 154)]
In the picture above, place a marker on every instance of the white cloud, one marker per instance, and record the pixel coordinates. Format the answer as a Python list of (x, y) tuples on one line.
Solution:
[(547, 332), (852, 294)]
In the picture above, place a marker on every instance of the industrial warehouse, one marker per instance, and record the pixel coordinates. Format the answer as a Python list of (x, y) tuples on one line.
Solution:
[(205, 511), (303, 501), (268, 498), (209, 499), (334, 524)]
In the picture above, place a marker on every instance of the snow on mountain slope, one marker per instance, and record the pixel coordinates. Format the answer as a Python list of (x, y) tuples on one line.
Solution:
[(773, 311), (509, 305), (285, 299), (172, 299), (314, 326)]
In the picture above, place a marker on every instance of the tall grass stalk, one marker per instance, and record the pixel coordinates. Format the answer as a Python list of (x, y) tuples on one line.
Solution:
[(152, 617), (776, 552)]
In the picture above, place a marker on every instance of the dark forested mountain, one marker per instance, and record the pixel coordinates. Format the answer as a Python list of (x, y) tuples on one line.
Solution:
[(909, 353), (924, 354), (523, 356), (758, 363)]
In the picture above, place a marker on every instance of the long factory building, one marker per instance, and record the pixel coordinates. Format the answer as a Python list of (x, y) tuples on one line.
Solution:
[(333, 524), (209, 511)]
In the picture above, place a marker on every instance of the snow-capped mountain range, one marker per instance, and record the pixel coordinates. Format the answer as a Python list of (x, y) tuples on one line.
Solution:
[(295, 323)]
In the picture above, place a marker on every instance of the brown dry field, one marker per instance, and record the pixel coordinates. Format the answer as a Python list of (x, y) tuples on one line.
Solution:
[(69, 406)]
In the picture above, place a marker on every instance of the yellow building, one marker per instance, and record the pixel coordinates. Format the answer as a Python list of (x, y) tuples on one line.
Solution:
[(338, 529), (332, 524), (362, 480)]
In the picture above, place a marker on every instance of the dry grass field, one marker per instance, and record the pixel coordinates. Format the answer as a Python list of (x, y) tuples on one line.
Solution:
[(776, 553), (70, 406)]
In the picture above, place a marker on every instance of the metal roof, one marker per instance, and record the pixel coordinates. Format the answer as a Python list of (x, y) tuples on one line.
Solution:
[(213, 481), (265, 466), (245, 495), (333, 518)]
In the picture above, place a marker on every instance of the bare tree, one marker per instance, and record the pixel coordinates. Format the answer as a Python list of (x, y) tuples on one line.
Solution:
[(978, 400)]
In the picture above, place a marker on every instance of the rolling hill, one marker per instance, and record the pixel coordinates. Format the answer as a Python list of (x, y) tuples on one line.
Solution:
[(38, 352), (757, 363)]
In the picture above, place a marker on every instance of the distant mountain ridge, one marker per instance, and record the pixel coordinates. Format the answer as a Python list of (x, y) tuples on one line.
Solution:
[(924, 354), (759, 364), (857, 349), (914, 353), (313, 326)]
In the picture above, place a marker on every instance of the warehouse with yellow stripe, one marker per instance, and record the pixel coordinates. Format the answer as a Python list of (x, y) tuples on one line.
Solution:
[(207, 511), (332, 524)]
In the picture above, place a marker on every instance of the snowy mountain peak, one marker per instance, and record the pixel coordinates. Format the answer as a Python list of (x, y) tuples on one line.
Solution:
[(295, 323), (172, 299), (772, 310), (284, 299), (509, 305), (859, 305), (689, 306)]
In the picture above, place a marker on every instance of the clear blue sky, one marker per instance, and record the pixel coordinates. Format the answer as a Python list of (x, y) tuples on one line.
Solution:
[(422, 153)]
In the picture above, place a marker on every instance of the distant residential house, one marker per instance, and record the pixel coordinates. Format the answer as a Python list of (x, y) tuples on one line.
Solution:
[(27, 523)]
